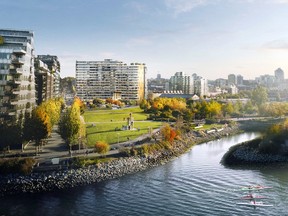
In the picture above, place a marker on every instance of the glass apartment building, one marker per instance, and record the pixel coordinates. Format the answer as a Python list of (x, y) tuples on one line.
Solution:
[(110, 79), (17, 81), (181, 82)]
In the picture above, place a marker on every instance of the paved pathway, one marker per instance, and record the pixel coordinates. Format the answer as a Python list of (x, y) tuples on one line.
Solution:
[(56, 147)]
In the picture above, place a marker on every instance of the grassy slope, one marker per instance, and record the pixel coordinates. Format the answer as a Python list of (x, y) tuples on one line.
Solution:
[(101, 125)]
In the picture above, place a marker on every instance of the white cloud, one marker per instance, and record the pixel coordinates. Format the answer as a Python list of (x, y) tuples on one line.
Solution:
[(182, 6)]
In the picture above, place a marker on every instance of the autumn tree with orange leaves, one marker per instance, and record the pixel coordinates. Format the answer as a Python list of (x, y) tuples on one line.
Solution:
[(102, 147), (38, 125), (168, 133)]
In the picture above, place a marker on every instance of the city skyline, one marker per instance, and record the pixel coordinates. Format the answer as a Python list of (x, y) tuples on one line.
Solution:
[(210, 38)]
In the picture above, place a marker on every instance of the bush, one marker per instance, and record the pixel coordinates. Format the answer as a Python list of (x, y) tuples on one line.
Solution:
[(124, 152), (77, 162), (19, 166)]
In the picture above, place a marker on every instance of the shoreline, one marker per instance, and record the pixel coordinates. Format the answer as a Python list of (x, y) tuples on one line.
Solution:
[(246, 154), (63, 179)]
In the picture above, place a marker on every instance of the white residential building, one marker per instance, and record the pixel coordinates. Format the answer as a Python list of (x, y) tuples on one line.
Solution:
[(200, 85), (110, 79)]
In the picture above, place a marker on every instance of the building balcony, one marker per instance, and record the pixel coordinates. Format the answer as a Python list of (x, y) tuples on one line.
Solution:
[(18, 61), (16, 91), (14, 101), (8, 92), (12, 112), (19, 51), (14, 81), (16, 71)]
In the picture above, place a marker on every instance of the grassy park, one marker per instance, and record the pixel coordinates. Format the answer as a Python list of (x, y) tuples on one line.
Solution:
[(105, 125)]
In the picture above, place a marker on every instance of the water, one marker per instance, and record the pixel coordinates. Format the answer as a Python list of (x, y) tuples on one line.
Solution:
[(193, 184)]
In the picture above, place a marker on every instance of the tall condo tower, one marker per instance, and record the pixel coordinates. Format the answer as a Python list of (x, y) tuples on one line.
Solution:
[(17, 82)]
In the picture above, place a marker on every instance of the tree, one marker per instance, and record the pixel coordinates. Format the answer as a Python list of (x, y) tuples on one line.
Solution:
[(27, 127), (10, 136), (37, 126), (227, 109), (214, 109), (69, 125), (144, 104), (53, 108), (41, 124), (188, 115), (98, 101), (168, 133), (259, 96), (77, 102), (249, 108), (102, 147)]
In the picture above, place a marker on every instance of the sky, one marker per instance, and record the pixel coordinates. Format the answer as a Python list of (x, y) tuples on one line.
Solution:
[(212, 38)]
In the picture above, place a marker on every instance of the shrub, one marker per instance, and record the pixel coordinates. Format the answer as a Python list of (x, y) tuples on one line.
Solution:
[(102, 147), (19, 166), (124, 152)]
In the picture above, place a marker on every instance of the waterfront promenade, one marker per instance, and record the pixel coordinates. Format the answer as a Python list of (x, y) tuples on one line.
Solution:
[(55, 147)]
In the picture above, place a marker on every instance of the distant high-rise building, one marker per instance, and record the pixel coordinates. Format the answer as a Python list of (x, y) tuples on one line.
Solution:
[(240, 80), (54, 66), (43, 81), (279, 75), (17, 81), (181, 82), (221, 82), (110, 79), (232, 79), (200, 85), (266, 80)]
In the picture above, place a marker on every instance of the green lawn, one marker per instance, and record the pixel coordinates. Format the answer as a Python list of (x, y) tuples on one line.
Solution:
[(114, 115), (100, 127)]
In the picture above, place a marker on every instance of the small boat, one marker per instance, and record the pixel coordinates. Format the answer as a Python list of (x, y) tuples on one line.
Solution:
[(255, 204), (252, 197)]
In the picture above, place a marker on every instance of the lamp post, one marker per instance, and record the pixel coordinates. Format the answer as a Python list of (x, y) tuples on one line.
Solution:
[(149, 130), (79, 146)]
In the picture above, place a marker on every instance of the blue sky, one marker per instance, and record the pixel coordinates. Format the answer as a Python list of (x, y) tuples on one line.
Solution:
[(212, 38)]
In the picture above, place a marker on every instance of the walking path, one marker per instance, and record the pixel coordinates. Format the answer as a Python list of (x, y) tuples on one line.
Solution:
[(55, 147)]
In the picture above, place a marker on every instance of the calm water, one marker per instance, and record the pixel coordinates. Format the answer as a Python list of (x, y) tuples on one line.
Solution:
[(193, 184)]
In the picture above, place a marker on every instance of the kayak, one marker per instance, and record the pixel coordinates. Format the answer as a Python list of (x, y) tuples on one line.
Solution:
[(256, 204), (254, 187), (252, 196)]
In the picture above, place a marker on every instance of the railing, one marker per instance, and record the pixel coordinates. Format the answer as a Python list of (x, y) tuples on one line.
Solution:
[(18, 61), (16, 70), (19, 51)]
